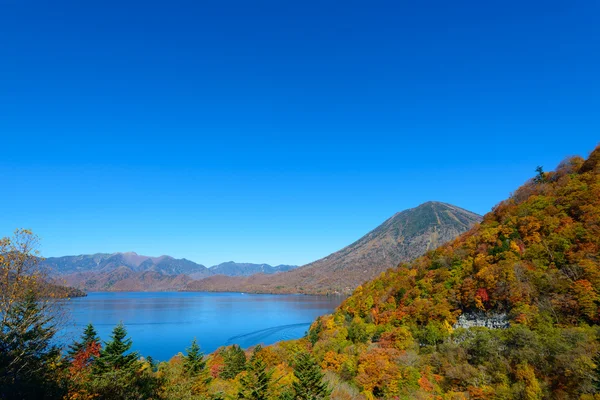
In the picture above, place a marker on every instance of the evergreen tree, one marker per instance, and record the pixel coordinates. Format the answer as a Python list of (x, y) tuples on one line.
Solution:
[(313, 332), (27, 356), (88, 337), (541, 175), (235, 362), (117, 374), (152, 363), (256, 353), (255, 384), (193, 361), (114, 355), (286, 395), (309, 384)]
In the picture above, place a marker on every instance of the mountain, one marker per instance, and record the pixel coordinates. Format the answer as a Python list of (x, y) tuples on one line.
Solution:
[(509, 310), (231, 268), (133, 272), (102, 262), (402, 237)]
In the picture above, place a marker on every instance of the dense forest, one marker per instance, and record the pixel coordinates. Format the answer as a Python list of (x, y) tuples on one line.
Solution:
[(509, 310)]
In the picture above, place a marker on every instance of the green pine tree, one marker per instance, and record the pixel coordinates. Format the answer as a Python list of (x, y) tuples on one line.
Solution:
[(114, 355), (152, 363), (27, 356), (286, 395), (313, 332), (89, 336), (309, 384), (117, 374), (255, 385), (256, 353), (235, 362), (541, 175), (193, 361)]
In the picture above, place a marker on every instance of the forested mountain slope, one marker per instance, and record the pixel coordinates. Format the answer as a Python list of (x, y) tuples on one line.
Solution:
[(533, 264)]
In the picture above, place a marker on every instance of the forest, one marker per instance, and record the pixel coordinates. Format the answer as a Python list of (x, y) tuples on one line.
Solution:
[(533, 263)]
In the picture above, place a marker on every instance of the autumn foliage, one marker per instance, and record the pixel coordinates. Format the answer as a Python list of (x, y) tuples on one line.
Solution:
[(534, 260)]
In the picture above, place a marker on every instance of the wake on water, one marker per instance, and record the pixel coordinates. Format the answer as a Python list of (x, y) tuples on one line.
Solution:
[(283, 332)]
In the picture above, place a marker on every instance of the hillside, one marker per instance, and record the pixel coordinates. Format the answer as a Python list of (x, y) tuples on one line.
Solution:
[(525, 282), (124, 279), (402, 237), (62, 291)]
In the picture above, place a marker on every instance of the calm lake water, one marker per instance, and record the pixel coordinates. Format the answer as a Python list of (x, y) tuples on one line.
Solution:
[(161, 324)]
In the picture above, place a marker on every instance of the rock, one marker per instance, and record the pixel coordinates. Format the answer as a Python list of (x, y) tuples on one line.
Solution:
[(489, 320)]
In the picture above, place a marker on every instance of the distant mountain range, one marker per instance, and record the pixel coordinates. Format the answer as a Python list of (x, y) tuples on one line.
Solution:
[(131, 271), (403, 237), (231, 268), (103, 262)]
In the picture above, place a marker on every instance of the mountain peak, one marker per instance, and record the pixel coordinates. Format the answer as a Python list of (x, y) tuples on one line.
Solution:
[(432, 203), (439, 204)]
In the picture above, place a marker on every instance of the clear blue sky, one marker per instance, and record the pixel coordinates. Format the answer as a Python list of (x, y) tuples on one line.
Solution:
[(279, 131)]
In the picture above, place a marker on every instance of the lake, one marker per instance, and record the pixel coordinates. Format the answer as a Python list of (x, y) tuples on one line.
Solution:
[(161, 324)]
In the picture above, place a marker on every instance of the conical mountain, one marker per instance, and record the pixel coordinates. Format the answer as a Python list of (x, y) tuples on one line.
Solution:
[(404, 236)]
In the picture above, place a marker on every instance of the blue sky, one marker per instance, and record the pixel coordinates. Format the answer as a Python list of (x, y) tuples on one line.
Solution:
[(279, 131)]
